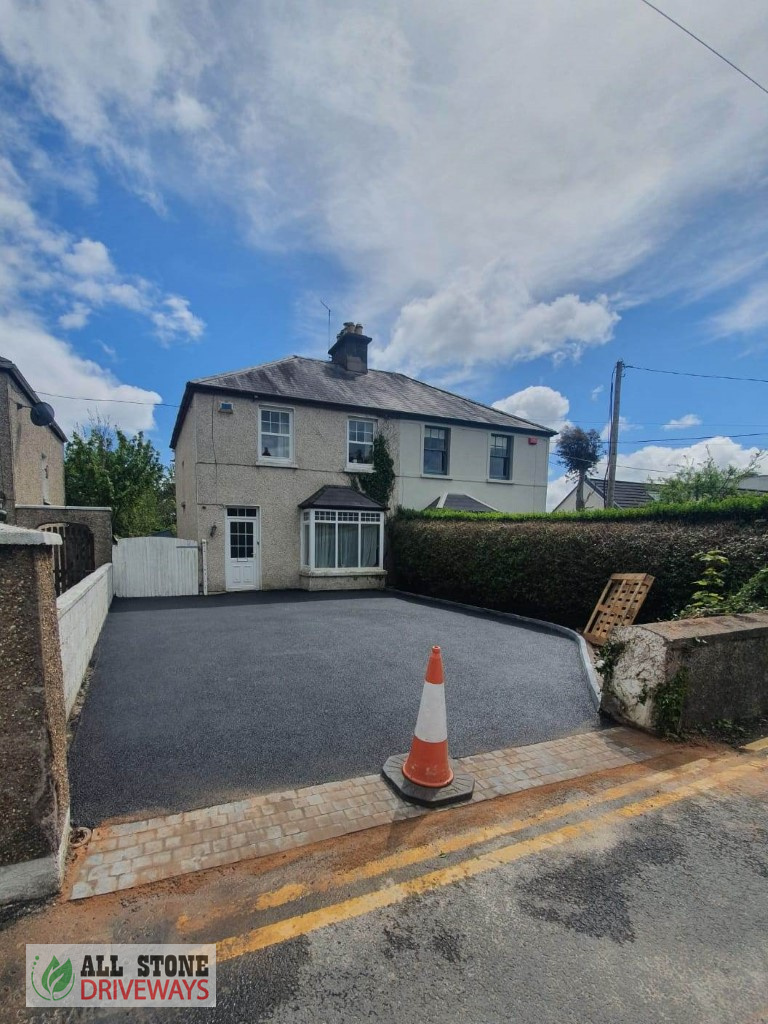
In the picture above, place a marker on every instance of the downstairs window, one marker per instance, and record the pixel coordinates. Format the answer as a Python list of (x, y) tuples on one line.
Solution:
[(333, 539)]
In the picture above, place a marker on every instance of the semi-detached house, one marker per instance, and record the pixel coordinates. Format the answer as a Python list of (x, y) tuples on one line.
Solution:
[(264, 457)]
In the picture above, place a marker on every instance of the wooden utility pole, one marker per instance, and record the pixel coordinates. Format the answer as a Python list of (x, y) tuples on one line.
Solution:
[(613, 443)]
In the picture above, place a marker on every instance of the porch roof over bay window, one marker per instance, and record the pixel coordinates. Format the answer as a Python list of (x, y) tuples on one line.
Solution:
[(342, 498)]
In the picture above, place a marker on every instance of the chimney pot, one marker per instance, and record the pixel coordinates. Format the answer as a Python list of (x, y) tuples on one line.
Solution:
[(350, 350)]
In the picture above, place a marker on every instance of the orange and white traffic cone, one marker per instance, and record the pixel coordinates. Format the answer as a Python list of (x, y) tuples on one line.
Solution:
[(427, 763), (426, 775)]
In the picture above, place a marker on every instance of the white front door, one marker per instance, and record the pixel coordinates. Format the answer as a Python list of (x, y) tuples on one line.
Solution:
[(242, 561)]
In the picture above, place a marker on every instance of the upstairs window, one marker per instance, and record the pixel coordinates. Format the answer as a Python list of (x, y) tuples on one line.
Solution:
[(276, 435), (437, 442), (500, 461), (333, 539), (360, 442)]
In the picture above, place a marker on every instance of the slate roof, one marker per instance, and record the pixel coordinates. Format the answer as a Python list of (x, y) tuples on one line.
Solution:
[(460, 503), (626, 493), (322, 382), (342, 497), (23, 384)]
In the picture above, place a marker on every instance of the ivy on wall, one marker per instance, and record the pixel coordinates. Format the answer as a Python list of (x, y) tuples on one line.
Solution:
[(380, 482)]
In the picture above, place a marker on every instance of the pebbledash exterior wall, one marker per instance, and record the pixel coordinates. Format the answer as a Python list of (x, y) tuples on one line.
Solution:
[(218, 465), (34, 787), (31, 458)]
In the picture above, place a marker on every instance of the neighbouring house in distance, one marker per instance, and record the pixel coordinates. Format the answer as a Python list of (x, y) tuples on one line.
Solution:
[(631, 494), (626, 494), (32, 491), (264, 457)]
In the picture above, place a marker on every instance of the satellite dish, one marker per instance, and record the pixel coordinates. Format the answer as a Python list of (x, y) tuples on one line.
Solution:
[(42, 414)]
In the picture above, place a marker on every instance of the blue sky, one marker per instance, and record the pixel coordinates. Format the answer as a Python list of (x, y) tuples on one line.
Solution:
[(508, 203)]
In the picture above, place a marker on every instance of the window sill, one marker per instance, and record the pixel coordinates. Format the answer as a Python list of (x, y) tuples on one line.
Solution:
[(276, 463), (435, 476), (359, 467), (495, 480), (369, 571)]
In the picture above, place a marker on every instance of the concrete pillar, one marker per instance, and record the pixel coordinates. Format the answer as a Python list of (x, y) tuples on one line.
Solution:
[(34, 789)]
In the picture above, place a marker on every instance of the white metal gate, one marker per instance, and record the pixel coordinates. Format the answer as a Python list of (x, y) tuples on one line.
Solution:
[(155, 567)]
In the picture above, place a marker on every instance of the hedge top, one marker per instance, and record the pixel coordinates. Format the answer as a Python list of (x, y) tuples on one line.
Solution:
[(749, 507)]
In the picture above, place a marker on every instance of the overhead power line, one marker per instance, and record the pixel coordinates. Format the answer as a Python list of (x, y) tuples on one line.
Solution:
[(120, 401), (689, 373), (711, 49), (677, 440)]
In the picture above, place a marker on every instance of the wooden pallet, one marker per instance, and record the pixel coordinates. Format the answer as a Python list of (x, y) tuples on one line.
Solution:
[(619, 604)]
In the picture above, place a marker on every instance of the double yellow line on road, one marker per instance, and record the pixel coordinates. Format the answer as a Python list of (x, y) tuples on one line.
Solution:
[(303, 924)]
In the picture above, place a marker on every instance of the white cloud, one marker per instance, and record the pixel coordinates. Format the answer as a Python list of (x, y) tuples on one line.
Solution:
[(624, 425), (749, 314), (684, 422), (539, 404), (489, 316), (174, 318), (596, 392), (88, 259), (38, 259), (76, 318), (51, 365), (376, 134)]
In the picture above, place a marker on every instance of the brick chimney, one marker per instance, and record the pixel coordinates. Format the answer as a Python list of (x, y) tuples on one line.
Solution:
[(350, 350)]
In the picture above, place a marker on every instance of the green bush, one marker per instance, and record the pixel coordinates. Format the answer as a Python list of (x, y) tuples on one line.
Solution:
[(555, 567)]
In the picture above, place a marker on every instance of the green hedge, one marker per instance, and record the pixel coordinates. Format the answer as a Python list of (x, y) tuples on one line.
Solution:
[(555, 567), (749, 507)]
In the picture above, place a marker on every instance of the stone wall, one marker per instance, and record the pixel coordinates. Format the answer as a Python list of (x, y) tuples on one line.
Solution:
[(34, 789), (81, 612), (665, 676), (327, 579), (99, 520)]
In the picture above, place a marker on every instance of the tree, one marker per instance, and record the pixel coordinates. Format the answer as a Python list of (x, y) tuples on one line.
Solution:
[(103, 466), (579, 450), (705, 482)]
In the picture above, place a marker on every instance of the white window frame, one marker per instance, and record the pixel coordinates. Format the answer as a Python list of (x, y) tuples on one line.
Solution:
[(360, 467), (447, 430), (271, 460), (313, 516), (511, 441)]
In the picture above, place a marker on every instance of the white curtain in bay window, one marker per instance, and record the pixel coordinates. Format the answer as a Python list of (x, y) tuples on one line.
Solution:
[(370, 544), (348, 554), (325, 545)]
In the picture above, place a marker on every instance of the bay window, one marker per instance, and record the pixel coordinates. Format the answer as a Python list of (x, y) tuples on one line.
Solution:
[(338, 539)]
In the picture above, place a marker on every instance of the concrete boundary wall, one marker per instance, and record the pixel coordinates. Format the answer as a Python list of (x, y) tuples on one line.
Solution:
[(82, 610), (667, 676)]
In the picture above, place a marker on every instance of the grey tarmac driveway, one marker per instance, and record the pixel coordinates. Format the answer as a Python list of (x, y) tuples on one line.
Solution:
[(196, 701)]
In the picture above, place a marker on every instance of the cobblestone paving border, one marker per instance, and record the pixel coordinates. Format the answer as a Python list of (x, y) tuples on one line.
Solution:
[(133, 853)]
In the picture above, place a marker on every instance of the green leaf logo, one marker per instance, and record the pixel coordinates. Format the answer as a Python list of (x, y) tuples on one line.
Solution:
[(57, 979)]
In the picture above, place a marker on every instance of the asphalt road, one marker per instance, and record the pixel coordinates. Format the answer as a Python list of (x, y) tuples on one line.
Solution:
[(195, 701), (664, 919), (622, 898)]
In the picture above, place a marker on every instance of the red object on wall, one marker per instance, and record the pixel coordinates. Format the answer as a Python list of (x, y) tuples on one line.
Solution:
[(533, 440)]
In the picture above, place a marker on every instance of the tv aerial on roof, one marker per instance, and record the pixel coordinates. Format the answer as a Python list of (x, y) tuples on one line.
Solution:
[(42, 414)]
